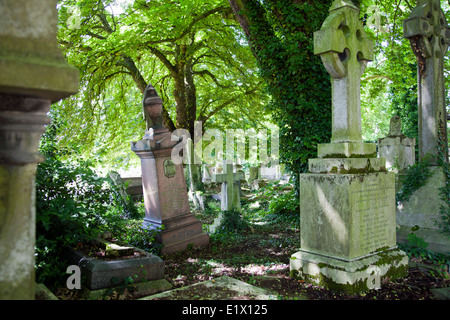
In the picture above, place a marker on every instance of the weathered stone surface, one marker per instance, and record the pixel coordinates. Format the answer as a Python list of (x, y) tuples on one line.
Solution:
[(223, 288), (396, 148), (423, 206), (100, 273), (351, 277), (164, 186), (347, 203), (347, 216), (429, 34), (30, 59)]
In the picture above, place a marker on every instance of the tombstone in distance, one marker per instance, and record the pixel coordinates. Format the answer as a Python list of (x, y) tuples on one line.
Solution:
[(164, 186)]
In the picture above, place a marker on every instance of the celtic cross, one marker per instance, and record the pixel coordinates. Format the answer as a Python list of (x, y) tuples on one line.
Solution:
[(345, 51), (429, 34)]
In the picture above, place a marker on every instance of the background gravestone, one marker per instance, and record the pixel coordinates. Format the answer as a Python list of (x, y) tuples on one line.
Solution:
[(164, 186), (396, 148), (429, 35)]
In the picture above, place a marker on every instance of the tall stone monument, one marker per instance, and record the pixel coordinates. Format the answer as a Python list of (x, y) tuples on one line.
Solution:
[(164, 186), (33, 75), (347, 203), (429, 35)]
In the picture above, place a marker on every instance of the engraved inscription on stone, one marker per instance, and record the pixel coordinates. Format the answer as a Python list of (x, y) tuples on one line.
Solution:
[(172, 203), (370, 206)]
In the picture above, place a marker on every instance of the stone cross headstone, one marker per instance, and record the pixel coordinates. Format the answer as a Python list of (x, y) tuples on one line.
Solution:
[(396, 148), (164, 186), (230, 195), (429, 34), (347, 207), (345, 52)]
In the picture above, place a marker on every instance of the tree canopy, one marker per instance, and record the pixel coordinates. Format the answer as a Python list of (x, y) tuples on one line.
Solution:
[(229, 64), (192, 52)]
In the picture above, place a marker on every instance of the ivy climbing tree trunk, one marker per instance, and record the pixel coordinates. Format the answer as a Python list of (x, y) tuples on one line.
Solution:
[(280, 33)]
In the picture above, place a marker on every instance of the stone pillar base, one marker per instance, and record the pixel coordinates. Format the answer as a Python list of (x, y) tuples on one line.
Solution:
[(179, 233), (349, 277)]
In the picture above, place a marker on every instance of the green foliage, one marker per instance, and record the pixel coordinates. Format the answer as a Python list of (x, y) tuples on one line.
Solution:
[(417, 248), (232, 222), (281, 34), (192, 52), (284, 204), (72, 205), (75, 205), (415, 177)]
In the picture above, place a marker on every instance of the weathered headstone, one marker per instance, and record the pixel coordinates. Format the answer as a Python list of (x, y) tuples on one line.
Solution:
[(347, 204), (33, 75), (429, 35), (396, 148), (164, 186), (230, 195)]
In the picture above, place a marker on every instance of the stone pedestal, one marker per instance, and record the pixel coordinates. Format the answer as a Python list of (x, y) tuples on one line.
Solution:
[(164, 186), (165, 196), (347, 218), (33, 75)]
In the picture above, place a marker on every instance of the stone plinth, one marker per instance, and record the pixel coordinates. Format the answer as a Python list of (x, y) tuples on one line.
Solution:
[(165, 196), (348, 233)]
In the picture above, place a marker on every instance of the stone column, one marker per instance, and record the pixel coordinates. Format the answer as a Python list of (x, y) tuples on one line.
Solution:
[(33, 75), (429, 34)]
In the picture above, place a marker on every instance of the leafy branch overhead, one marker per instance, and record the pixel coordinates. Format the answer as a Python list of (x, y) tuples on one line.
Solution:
[(192, 52)]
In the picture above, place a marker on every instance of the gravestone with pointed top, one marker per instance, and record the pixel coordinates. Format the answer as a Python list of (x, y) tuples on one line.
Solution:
[(347, 207)]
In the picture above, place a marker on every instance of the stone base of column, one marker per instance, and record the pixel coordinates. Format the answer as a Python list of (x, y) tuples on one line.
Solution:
[(349, 277), (179, 233)]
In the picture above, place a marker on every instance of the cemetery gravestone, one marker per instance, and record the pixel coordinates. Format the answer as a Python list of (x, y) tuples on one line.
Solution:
[(230, 195), (33, 75), (429, 35), (231, 192), (396, 148), (164, 186), (347, 207)]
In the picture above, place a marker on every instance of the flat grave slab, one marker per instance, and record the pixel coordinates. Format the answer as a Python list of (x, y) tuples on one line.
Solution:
[(223, 288)]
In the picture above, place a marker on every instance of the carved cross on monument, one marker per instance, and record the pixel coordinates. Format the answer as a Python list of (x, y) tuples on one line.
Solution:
[(230, 197), (345, 51), (429, 34)]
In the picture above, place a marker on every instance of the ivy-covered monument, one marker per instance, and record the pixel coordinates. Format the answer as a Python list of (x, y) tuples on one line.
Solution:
[(347, 200)]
